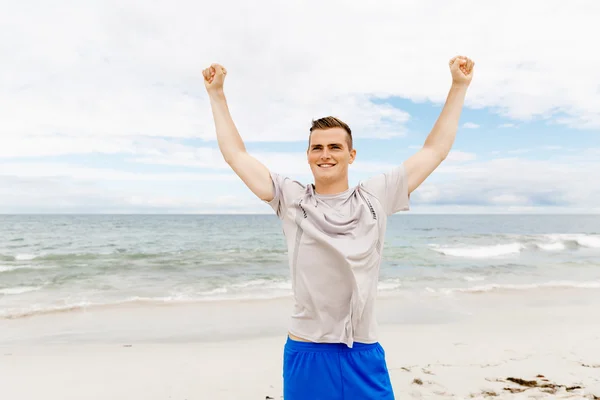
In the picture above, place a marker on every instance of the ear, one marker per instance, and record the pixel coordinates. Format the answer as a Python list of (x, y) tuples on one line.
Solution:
[(352, 156)]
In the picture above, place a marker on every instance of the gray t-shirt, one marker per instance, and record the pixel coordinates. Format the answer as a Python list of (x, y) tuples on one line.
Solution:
[(335, 243)]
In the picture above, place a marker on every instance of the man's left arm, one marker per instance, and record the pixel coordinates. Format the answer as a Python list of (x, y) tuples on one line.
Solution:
[(441, 138)]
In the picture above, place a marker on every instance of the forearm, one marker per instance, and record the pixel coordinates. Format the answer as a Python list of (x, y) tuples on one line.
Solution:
[(228, 137), (443, 133)]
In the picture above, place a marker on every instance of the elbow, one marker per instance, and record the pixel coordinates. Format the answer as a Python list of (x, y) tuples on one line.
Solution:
[(441, 153), (231, 157), (437, 153), (227, 159)]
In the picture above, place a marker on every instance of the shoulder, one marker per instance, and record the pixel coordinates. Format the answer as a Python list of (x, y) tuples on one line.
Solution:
[(379, 183), (288, 183), (286, 189), (369, 196)]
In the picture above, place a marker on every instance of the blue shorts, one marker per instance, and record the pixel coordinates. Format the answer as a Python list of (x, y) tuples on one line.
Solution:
[(333, 371)]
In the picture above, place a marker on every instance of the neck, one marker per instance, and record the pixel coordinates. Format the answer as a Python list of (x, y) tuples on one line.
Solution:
[(331, 187)]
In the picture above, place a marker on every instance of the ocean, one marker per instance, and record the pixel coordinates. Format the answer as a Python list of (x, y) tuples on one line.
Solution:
[(60, 263)]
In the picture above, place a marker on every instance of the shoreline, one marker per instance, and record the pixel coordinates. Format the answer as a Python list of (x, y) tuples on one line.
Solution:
[(205, 321)]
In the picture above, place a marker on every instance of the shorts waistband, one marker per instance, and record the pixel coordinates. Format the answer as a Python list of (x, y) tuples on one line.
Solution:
[(328, 347)]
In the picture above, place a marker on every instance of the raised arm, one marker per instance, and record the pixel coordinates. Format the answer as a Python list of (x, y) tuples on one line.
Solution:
[(254, 174), (441, 138)]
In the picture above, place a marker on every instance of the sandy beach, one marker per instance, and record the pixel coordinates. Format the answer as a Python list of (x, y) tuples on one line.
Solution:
[(501, 346)]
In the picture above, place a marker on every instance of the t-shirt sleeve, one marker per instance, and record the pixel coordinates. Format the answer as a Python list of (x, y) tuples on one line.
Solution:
[(391, 189), (285, 191)]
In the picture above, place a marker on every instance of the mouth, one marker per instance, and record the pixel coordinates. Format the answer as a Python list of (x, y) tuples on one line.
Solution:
[(326, 165)]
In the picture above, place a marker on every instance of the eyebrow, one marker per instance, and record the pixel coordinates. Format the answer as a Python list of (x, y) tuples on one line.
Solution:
[(331, 144)]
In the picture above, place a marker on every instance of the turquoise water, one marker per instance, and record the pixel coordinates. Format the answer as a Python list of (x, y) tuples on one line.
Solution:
[(61, 262)]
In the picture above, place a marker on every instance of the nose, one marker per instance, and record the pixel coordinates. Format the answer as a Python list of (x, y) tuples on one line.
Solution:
[(325, 154)]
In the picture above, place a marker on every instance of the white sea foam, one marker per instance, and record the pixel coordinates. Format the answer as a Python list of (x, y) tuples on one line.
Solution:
[(4, 268), (258, 289), (252, 286), (557, 246), (497, 250), (269, 285), (219, 290), (37, 309), (473, 278), (263, 284), (549, 242), (25, 257), (221, 295), (583, 240), (521, 286), (19, 290), (254, 282), (8, 268), (389, 285)]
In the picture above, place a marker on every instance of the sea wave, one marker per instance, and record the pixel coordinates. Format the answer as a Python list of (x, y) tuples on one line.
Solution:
[(18, 257), (263, 283), (498, 287), (44, 309), (473, 278), (10, 268), (19, 290), (480, 251), (258, 255), (267, 290), (582, 240), (546, 242), (389, 285)]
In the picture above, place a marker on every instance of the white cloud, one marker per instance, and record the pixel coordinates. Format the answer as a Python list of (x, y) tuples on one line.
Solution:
[(460, 156), (282, 162), (129, 68), (524, 151), (50, 195), (77, 172), (565, 181), (470, 125), (461, 184), (59, 145), (123, 79)]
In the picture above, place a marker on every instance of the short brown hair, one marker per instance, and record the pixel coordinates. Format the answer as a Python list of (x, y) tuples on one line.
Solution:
[(331, 122)]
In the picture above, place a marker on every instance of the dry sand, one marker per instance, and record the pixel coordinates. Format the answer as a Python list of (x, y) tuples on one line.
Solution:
[(508, 353)]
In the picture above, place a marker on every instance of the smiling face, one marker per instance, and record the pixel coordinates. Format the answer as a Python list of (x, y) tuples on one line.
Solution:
[(329, 155)]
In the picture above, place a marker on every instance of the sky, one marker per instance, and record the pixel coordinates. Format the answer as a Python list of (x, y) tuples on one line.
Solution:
[(103, 107)]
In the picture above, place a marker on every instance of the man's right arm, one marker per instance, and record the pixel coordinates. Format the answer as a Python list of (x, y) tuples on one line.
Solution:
[(252, 172)]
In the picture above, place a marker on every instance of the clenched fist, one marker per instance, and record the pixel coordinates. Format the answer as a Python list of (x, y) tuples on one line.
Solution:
[(461, 68), (214, 77)]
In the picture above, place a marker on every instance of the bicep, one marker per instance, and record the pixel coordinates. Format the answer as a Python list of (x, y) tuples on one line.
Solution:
[(420, 165), (254, 174)]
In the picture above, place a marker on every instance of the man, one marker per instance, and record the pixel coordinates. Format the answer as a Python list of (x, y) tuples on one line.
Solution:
[(335, 237)]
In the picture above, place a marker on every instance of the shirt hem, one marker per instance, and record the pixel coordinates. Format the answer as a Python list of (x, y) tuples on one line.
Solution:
[(325, 340)]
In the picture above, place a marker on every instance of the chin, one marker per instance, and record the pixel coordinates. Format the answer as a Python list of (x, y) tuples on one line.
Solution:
[(327, 177)]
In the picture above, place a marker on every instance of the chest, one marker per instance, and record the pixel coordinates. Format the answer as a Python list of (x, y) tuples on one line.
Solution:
[(355, 219)]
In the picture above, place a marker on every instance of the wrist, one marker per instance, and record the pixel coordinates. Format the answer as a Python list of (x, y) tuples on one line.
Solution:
[(459, 86), (217, 94)]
